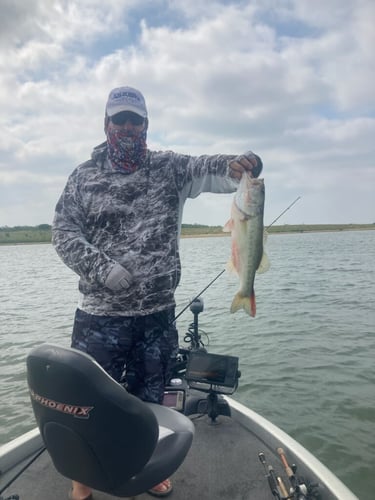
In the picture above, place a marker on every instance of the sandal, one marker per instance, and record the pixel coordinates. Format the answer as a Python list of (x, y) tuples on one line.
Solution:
[(166, 490)]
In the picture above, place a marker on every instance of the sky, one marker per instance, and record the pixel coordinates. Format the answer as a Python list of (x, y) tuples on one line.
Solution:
[(291, 80)]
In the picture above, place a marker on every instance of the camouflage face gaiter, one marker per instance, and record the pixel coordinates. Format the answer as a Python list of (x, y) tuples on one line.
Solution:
[(126, 148)]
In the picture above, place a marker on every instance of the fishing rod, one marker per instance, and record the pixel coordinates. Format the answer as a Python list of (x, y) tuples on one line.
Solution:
[(299, 489), (275, 482), (223, 270), (199, 294), (282, 213)]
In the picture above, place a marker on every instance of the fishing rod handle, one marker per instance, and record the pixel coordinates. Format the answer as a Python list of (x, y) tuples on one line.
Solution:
[(288, 469), (284, 491)]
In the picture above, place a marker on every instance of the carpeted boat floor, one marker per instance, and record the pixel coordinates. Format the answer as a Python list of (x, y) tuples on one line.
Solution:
[(222, 464)]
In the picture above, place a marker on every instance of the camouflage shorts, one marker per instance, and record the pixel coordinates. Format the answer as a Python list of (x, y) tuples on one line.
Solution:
[(136, 351)]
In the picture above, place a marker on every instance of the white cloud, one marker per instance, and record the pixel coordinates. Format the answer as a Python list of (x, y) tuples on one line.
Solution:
[(290, 82)]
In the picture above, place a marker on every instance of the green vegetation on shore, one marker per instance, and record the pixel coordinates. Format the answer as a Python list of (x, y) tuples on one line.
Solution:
[(42, 232), (25, 234)]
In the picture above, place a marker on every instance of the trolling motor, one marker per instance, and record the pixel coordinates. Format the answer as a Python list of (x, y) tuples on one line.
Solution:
[(198, 371), (193, 336)]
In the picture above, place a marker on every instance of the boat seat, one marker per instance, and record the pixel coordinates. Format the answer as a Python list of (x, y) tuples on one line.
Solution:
[(95, 431)]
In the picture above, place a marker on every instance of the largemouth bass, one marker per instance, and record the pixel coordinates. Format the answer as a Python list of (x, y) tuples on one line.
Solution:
[(246, 226)]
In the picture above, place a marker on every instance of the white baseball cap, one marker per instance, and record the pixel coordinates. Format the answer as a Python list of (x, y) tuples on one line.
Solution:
[(126, 99)]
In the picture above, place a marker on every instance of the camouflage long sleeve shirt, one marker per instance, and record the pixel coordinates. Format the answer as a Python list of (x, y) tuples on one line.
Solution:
[(105, 216)]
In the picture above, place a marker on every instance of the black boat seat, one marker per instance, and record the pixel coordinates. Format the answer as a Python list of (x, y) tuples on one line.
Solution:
[(95, 431)]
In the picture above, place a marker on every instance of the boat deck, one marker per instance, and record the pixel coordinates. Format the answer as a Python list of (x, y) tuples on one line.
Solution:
[(222, 464)]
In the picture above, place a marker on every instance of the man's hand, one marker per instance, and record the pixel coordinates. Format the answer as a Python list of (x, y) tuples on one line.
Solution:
[(248, 162), (118, 279)]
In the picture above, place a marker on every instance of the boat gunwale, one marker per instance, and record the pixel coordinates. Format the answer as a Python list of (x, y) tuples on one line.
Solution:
[(275, 437), (19, 449)]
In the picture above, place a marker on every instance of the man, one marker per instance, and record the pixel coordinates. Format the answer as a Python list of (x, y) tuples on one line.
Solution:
[(117, 225)]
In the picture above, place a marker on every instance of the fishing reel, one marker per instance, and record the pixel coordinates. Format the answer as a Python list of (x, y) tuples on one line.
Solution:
[(296, 488)]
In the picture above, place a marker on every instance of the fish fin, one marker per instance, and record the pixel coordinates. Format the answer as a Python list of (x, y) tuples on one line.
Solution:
[(228, 226), (248, 304), (230, 267), (264, 264)]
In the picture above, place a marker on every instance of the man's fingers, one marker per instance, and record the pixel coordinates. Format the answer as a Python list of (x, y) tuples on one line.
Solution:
[(236, 169), (248, 162)]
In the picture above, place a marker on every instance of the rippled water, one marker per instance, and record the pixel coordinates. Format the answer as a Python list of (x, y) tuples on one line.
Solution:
[(307, 359)]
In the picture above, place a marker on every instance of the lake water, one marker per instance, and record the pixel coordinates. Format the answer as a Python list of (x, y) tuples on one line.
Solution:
[(307, 359)]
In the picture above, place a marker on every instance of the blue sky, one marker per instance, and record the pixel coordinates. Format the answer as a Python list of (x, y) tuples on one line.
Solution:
[(291, 80)]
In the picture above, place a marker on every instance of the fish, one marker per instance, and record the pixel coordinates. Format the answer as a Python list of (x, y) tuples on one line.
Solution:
[(248, 237)]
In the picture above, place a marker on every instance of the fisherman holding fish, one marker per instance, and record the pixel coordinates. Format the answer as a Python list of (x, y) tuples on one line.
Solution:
[(117, 225)]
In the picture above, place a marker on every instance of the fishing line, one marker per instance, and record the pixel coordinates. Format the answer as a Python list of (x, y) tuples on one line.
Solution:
[(223, 271)]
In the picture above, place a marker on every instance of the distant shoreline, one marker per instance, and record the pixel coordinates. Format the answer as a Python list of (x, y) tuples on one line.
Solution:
[(287, 229), (220, 235), (25, 235)]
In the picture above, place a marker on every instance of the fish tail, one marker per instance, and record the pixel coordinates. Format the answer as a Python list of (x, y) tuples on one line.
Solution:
[(246, 303)]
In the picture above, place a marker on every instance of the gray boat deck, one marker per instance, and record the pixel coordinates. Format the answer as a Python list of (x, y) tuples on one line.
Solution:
[(222, 464)]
